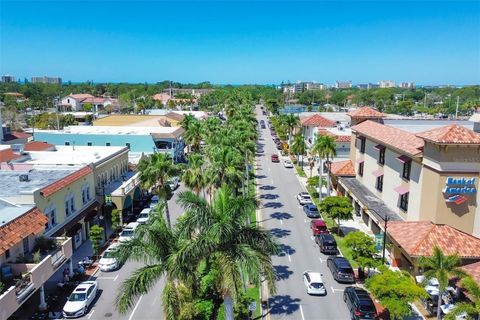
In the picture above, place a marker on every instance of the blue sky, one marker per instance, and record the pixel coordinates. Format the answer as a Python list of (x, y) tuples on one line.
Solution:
[(428, 42)]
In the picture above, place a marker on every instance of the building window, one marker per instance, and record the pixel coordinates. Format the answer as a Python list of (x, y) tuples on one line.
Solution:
[(404, 201), (26, 245), (7, 254), (381, 156), (107, 144), (53, 218), (128, 145), (360, 169), (84, 196), (67, 208), (407, 166), (362, 144), (89, 144), (72, 205), (67, 143), (87, 191), (379, 183)]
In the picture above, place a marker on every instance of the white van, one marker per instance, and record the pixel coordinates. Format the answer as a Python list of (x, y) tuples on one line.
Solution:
[(128, 232), (144, 215)]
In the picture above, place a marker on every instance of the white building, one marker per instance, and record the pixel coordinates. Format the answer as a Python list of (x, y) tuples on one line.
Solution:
[(343, 84), (75, 102), (387, 84), (50, 80), (407, 85)]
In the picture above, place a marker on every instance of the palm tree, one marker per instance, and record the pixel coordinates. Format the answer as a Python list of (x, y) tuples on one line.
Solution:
[(157, 246), (319, 150), (155, 171), (291, 121), (193, 136), (441, 267), (227, 164), (330, 151), (193, 175), (471, 309), (298, 146), (221, 238)]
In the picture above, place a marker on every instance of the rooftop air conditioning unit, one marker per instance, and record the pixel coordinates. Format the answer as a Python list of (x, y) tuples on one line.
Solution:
[(23, 177)]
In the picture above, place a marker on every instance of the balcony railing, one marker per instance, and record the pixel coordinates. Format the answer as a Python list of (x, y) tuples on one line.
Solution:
[(23, 287)]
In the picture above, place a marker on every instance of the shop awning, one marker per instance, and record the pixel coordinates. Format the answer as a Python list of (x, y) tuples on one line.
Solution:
[(379, 147), (377, 173), (360, 161), (401, 190), (73, 230), (404, 158), (91, 215)]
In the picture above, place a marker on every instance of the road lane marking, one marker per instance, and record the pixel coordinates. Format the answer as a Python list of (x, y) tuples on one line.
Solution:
[(289, 258), (135, 308), (281, 221), (116, 278), (90, 314), (107, 278), (94, 274), (333, 290), (321, 260), (301, 312)]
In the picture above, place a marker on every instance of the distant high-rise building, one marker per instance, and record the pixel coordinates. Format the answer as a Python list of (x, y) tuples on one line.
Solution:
[(387, 84), (314, 86), (343, 84), (51, 80), (407, 85), (8, 78)]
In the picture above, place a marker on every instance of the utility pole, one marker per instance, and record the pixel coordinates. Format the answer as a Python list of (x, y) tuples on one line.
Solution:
[(456, 109), (384, 238)]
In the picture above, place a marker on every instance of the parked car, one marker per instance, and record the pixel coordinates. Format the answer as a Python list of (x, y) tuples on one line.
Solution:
[(341, 269), (359, 303), (80, 300), (304, 198), (279, 146), (311, 210), (287, 163), (108, 262), (275, 158), (327, 244), (173, 183), (128, 232), (144, 215), (314, 283), (318, 226)]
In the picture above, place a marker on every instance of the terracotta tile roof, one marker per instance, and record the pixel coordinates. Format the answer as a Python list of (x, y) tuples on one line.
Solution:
[(37, 146), (418, 238), (8, 155), (175, 116), (12, 233), (59, 184), (324, 132), (80, 96), (452, 134), (343, 138), (343, 169), (317, 121), (403, 141), (365, 112), (473, 270), (16, 135)]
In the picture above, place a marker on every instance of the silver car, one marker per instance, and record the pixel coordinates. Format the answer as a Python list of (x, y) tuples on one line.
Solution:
[(80, 300)]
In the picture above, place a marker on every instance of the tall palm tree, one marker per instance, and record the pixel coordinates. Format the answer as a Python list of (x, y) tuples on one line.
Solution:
[(291, 121), (319, 150), (193, 175), (155, 171), (330, 151), (227, 163), (193, 136), (220, 235), (298, 146), (471, 309), (441, 267)]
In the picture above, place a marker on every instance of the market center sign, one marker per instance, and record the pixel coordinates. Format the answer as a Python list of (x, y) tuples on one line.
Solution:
[(457, 189)]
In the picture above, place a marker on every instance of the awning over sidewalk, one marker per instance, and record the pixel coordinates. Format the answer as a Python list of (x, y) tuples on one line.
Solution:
[(369, 200)]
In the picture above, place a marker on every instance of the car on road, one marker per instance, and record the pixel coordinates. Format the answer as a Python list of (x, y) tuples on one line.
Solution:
[(341, 269), (287, 163), (304, 198), (108, 261), (359, 303), (80, 300), (173, 183), (318, 226), (144, 216), (279, 146), (275, 158), (128, 232), (327, 244), (314, 283), (311, 210)]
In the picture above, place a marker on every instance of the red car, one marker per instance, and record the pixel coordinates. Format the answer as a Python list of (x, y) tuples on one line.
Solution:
[(275, 158), (318, 226)]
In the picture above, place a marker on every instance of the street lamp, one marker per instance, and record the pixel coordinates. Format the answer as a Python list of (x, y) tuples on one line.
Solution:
[(102, 216), (386, 219)]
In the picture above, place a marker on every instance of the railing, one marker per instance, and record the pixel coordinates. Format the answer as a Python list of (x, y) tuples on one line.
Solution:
[(57, 258), (23, 287)]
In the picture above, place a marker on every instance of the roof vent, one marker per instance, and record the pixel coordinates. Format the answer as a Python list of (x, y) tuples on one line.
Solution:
[(23, 178)]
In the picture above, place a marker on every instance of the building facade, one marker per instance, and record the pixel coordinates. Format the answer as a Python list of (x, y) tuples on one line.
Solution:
[(8, 79), (45, 79), (343, 84), (387, 84)]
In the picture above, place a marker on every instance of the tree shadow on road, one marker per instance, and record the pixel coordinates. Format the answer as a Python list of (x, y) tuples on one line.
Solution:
[(260, 176), (282, 272), (283, 304), (274, 205), (281, 215), (267, 187), (285, 249), (280, 233), (269, 196)]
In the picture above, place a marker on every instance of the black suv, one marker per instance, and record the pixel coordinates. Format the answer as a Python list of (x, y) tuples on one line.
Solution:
[(359, 303), (327, 243), (341, 269)]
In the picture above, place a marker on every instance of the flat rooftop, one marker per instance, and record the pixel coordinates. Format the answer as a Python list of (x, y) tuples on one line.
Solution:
[(116, 130), (12, 187), (68, 155), (414, 126), (10, 211)]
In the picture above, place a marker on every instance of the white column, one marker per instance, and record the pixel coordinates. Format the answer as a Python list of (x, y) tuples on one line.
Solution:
[(43, 304)]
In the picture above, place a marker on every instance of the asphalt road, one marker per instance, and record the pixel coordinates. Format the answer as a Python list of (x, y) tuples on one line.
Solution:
[(147, 307), (281, 213)]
